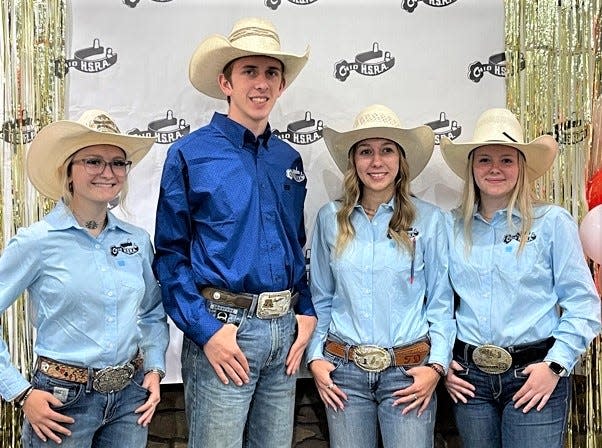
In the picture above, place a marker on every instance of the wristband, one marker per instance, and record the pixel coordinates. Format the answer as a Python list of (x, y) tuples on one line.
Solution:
[(437, 368), (20, 400), (159, 372)]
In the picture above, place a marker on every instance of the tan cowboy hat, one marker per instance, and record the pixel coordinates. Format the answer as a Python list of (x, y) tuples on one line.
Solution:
[(500, 127), (249, 37), (58, 141), (378, 121)]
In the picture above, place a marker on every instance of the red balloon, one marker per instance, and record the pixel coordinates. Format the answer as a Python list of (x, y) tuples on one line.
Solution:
[(594, 190)]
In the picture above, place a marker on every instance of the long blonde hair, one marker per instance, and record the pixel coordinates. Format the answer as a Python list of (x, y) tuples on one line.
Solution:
[(521, 199), (404, 211)]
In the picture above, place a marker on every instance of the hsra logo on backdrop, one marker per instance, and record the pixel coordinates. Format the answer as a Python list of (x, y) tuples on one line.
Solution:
[(166, 130), (368, 63), (19, 130), (302, 132), (496, 67), (570, 131), (134, 3), (410, 5), (443, 127), (274, 4), (94, 59)]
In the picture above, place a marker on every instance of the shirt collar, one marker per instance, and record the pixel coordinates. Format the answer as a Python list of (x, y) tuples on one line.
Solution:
[(390, 205), (238, 135), (501, 212), (61, 218)]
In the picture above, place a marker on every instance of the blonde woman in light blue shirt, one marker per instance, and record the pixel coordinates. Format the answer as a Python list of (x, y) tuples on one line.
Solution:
[(527, 303), (101, 332), (380, 289)]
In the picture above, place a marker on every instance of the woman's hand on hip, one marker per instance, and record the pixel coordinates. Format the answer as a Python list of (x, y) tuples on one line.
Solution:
[(457, 388), (330, 393), (151, 383), (418, 395), (537, 389), (46, 422)]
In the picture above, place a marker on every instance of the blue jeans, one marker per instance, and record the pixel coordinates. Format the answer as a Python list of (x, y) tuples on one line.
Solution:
[(101, 420), (217, 413), (369, 402), (489, 420)]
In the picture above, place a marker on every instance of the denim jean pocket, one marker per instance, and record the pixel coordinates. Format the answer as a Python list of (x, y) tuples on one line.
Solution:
[(334, 360), (465, 371), (519, 373), (136, 384), (67, 392)]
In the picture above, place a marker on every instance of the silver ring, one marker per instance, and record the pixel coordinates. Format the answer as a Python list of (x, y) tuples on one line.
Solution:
[(415, 397), (330, 386)]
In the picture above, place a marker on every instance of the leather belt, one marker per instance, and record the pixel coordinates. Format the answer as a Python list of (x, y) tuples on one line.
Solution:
[(520, 355), (108, 379), (267, 305), (373, 358)]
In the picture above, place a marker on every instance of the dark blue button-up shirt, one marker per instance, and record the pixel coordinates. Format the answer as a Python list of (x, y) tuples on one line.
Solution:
[(230, 215)]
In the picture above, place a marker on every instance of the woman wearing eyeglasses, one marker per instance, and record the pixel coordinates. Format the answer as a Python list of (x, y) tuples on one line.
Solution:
[(101, 332)]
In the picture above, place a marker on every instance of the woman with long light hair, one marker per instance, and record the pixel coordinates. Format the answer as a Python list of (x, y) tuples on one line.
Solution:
[(380, 289), (527, 303)]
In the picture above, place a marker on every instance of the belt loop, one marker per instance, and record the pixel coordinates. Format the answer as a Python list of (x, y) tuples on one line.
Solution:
[(253, 307), (90, 380), (347, 348), (466, 348), (391, 351)]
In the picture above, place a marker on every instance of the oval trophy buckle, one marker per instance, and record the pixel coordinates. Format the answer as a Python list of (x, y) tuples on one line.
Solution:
[(371, 358), (492, 359)]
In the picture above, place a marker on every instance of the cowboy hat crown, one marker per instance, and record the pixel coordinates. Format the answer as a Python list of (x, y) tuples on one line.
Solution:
[(250, 36)]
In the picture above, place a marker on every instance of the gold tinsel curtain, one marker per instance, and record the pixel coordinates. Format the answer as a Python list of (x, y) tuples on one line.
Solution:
[(32, 44), (553, 77)]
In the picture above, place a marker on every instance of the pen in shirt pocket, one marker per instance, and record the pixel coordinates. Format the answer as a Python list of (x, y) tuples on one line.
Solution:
[(413, 258)]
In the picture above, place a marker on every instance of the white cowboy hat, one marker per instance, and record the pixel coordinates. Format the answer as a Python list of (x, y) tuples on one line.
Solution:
[(500, 127), (378, 121), (249, 37), (58, 141)]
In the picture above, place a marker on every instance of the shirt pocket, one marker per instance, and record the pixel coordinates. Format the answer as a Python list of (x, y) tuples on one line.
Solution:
[(129, 272)]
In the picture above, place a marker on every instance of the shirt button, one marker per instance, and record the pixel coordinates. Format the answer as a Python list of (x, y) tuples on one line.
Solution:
[(97, 246), (110, 319), (110, 293)]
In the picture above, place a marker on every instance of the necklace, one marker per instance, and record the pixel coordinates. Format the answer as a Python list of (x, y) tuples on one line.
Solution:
[(369, 211)]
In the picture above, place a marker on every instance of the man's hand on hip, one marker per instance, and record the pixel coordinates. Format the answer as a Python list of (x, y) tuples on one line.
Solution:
[(305, 328), (226, 357)]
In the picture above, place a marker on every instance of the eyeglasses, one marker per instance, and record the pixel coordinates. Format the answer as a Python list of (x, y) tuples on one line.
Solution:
[(95, 166)]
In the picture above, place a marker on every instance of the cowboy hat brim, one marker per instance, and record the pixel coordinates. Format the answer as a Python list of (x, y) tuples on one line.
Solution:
[(215, 52), (417, 143), (59, 140), (539, 154)]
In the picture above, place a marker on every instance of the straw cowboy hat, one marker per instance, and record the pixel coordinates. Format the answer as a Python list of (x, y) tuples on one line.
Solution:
[(58, 141), (378, 121), (249, 37), (500, 127)]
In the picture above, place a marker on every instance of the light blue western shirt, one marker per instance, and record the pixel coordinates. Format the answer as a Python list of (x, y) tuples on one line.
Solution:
[(374, 293), (93, 301), (508, 298)]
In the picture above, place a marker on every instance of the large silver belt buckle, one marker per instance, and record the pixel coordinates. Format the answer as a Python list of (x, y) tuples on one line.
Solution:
[(273, 304), (492, 359), (112, 379), (371, 358)]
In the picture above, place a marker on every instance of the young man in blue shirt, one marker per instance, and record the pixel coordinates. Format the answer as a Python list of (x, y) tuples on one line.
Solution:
[(229, 239)]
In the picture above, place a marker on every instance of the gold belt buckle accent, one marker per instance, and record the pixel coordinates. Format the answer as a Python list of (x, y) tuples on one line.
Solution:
[(371, 358), (492, 359), (273, 304)]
